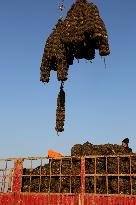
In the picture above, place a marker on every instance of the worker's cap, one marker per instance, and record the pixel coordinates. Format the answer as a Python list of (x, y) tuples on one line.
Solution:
[(126, 140)]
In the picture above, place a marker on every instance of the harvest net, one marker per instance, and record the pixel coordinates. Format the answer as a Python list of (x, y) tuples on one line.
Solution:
[(75, 37)]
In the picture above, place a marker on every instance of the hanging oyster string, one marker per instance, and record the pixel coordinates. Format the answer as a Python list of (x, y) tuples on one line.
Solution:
[(60, 111), (75, 37)]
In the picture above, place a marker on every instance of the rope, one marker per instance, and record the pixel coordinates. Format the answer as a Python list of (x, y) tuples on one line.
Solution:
[(61, 7)]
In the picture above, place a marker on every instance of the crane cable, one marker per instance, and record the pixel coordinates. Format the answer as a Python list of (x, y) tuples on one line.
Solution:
[(61, 7)]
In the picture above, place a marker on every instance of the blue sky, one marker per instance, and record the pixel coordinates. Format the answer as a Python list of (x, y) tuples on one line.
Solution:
[(100, 102)]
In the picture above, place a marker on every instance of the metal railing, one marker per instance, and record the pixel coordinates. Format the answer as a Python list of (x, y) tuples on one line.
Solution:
[(6, 175), (112, 174)]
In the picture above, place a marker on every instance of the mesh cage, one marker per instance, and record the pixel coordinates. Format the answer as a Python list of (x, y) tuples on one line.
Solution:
[(72, 180)]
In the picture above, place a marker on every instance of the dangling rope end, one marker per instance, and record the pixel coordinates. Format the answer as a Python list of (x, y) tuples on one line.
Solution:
[(61, 7)]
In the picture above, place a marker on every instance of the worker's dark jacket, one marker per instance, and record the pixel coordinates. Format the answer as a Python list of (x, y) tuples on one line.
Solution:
[(128, 149)]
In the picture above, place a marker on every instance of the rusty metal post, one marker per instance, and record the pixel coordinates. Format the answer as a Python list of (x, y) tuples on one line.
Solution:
[(118, 174), (40, 176), (17, 177), (131, 186), (10, 179), (60, 175), (50, 162), (81, 196), (95, 176), (71, 176), (107, 182)]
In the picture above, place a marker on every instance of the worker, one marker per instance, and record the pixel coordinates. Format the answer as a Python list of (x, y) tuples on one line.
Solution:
[(125, 143)]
